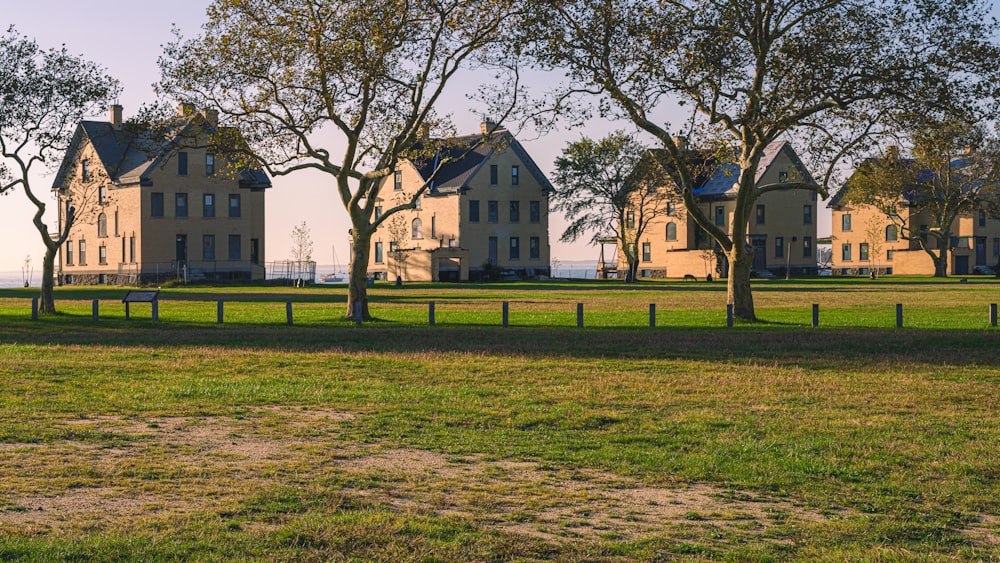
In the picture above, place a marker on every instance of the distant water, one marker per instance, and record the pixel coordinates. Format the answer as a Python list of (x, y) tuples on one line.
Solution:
[(575, 269), (569, 269), (15, 279), (566, 269)]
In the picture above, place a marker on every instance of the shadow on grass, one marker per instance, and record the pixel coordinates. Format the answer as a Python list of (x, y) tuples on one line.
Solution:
[(766, 341)]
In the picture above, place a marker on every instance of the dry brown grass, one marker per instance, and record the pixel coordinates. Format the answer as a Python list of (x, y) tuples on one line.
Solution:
[(177, 466)]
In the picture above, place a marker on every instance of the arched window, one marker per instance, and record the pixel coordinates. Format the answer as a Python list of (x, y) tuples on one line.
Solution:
[(102, 225), (418, 232), (891, 234), (671, 231)]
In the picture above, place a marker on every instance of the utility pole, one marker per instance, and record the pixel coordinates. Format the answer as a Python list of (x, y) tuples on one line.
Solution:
[(788, 259)]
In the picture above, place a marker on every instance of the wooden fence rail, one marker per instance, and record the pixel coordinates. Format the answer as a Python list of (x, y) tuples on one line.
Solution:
[(505, 313)]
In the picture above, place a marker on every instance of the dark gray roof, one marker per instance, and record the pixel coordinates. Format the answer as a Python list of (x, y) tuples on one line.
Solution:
[(922, 175), (465, 156), (129, 156), (722, 183)]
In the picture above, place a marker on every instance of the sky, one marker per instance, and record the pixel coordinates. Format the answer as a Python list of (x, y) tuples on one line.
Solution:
[(126, 37)]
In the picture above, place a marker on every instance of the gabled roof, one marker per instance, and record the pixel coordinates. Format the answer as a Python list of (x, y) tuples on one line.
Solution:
[(922, 175), (128, 157), (717, 180), (458, 171), (722, 182)]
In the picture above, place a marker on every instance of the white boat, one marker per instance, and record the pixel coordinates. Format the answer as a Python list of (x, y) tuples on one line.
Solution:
[(337, 276)]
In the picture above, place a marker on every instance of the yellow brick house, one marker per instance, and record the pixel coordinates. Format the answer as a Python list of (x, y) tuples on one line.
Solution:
[(866, 240), (782, 227), (484, 215), (155, 206)]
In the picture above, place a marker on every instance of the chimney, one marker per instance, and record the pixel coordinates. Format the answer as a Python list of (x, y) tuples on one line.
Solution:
[(892, 152), (681, 143), (185, 109), (487, 126), (116, 117), (425, 131), (211, 116)]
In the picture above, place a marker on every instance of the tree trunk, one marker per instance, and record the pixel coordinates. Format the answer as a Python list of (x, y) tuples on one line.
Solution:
[(941, 264), (357, 286), (633, 269), (47, 303), (740, 295)]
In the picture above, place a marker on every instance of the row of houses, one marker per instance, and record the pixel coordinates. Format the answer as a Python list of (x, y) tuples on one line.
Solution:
[(151, 206)]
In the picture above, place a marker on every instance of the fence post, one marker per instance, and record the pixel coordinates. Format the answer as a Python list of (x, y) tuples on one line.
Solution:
[(815, 315), (506, 313), (220, 310), (430, 313), (288, 311), (357, 313), (993, 314), (95, 309), (729, 315), (34, 309), (899, 315), (652, 315), (579, 315), (156, 309)]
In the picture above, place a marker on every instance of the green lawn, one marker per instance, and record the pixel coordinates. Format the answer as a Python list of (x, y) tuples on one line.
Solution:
[(254, 440)]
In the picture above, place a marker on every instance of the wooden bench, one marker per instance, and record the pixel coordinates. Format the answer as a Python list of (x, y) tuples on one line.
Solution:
[(142, 297)]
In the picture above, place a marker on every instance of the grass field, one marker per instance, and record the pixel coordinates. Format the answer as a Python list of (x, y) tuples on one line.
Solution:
[(254, 440)]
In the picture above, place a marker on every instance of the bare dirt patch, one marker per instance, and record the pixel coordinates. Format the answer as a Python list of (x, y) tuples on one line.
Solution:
[(169, 466), (986, 531), (561, 505)]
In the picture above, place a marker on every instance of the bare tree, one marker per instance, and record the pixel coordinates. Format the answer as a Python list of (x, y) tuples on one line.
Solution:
[(875, 238), (399, 251), (752, 71), (308, 80), (302, 244), (45, 94)]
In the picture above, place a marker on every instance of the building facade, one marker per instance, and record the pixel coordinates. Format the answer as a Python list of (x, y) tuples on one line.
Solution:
[(484, 215), (865, 241), (782, 228), (149, 206)]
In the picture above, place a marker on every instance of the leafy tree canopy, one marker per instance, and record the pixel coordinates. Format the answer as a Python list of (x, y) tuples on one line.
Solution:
[(44, 94), (344, 87), (753, 71)]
